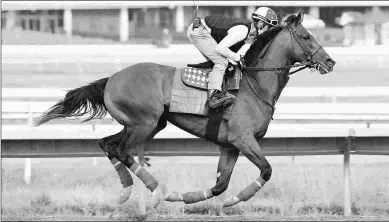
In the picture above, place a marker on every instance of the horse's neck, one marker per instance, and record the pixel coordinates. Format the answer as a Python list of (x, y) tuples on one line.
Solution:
[(269, 83)]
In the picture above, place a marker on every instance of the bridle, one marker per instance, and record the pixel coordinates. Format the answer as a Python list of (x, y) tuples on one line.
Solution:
[(311, 63)]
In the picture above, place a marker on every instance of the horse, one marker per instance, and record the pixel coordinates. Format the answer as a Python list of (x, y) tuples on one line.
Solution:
[(138, 98)]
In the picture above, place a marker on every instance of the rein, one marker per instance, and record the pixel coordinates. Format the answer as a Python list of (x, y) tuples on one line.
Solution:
[(312, 64), (279, 69)]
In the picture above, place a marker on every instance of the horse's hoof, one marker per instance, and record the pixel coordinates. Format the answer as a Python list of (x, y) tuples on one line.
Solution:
[(158, 195), (231, 202), (174, 197), (124, 194)]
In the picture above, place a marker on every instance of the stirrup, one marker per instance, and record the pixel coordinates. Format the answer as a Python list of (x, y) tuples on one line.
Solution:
[(224, 99)]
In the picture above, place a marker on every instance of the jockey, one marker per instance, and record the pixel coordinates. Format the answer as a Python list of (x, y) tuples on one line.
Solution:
[(219, 38)]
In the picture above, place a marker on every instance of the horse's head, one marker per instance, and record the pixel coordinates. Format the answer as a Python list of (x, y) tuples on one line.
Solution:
[(305, 48)]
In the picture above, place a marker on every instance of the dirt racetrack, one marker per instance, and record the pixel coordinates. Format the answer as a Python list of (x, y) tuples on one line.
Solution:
[(207, 218)]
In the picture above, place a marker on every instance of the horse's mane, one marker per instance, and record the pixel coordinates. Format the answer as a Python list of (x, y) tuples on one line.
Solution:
[(263, 39)]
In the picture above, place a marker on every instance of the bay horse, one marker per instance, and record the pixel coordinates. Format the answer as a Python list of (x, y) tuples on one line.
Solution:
[(138, 98)]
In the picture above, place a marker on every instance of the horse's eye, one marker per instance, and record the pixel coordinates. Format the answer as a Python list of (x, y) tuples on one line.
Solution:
[(306, 37)]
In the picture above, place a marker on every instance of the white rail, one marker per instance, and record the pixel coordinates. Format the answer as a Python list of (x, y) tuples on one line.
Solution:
[(323, 104)]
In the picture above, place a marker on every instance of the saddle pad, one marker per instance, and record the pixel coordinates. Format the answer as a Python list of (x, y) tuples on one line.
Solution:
[(187, 99), (196, 77)]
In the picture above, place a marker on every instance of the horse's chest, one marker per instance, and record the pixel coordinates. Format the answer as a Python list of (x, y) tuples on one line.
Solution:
[(252, 118)]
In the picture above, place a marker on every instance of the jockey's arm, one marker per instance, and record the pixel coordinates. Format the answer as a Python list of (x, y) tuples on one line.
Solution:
[(235, 34), (242, 51)]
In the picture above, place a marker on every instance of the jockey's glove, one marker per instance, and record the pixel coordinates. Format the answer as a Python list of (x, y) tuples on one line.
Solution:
[(242, 62)]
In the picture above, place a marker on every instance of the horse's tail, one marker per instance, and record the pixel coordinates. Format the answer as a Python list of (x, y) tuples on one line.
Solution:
[(88, 99)]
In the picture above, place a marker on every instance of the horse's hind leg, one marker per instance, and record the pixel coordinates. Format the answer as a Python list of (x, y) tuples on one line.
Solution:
[(139, 137), (108, 145), (227, 160)]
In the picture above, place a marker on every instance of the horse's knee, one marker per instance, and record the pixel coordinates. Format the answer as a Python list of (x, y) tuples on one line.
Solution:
[(266, 172), (219, 189)]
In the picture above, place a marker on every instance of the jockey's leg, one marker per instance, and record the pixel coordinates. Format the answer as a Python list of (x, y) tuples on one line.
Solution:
[(205, 43)]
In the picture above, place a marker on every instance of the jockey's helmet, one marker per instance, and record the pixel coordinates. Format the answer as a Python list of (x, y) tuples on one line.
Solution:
[(265, 14)]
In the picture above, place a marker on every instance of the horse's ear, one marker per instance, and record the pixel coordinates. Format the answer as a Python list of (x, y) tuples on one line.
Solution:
[(300, 18)]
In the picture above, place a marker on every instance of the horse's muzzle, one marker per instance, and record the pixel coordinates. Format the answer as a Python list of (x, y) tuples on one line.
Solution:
[(327, 67)]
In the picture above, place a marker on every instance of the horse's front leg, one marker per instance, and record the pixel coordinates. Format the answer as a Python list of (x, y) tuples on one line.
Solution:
[(248, 145), (227, 160)]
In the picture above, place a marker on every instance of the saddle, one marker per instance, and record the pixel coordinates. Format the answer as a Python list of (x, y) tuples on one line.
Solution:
[(189, 93), (196, 75)]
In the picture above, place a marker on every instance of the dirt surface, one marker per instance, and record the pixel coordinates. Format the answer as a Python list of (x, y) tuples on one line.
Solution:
[(206, 218)]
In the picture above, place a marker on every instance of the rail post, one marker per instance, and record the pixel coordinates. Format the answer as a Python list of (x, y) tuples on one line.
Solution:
[(346, 174), (27, 170), (95, 161)]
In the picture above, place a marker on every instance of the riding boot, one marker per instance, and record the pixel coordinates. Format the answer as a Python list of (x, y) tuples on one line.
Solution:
[(217, 98)]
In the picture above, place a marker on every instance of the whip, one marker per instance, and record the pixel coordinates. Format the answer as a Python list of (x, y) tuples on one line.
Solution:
[(196, 20)]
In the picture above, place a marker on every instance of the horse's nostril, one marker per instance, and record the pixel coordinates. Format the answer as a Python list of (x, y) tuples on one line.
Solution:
[(330, 62)]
